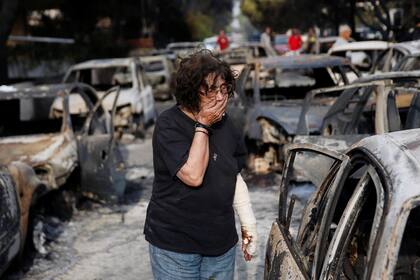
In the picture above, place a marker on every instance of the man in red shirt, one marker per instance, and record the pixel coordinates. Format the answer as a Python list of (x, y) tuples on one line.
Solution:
[(295, 41), (222, 41)]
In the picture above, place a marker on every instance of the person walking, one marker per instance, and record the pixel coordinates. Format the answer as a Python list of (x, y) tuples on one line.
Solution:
[(222, 41), (197, 156)]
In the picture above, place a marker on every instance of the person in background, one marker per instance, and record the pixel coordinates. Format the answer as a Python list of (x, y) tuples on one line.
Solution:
[(344, 35), (222, 41), (295, 42), (197, 156), (312, 45), (265, 38)]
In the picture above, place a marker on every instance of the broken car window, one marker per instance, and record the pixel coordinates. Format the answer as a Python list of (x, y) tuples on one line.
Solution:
[(104, 78), (309, 175), (279, 84), (28, 116), (354, 234)]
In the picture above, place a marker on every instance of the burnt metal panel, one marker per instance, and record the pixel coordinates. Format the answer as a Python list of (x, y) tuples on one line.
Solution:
[(99, 158), (281, 261), (302, 61)]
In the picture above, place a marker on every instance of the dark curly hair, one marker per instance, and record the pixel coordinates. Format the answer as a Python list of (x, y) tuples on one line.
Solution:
[(191, 75)]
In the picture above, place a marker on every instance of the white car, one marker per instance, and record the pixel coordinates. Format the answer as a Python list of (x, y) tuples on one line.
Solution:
[(135, 105), (159, 70), (364, 55)]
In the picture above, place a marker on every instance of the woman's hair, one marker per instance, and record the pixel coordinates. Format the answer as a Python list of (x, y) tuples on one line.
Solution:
[(192, 73)]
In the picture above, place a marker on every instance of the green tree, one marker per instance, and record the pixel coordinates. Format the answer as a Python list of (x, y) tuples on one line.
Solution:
[(284, 14)]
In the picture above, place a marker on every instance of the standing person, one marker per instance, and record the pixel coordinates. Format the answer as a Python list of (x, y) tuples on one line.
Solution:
[(344, 35), (295, 42), (222, 41), (265, 38), (312, 46), (197, 156)]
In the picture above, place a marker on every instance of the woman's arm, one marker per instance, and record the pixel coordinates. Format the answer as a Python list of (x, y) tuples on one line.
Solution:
[(243, 207), (192, 172)]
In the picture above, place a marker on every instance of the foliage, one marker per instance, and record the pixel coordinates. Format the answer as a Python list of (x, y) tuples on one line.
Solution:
[(284, 14), (200, 25)]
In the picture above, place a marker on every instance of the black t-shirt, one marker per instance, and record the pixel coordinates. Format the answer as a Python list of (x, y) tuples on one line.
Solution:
[(187, 219)]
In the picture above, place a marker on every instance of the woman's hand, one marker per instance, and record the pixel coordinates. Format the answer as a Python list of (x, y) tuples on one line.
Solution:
[(212, 110), (248, 245), (242, 206)]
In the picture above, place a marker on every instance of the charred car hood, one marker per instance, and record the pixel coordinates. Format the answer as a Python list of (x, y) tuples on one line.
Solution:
[(286, 115), (31, 149), (127, 97)]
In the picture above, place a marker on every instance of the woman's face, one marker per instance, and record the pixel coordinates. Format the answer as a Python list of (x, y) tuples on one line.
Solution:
[(214, 88)]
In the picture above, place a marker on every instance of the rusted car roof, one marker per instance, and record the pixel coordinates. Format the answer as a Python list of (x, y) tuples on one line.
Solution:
[(302, 61), (389, 76), (361, 46), (412, 47), (103, 63), (399, 153)]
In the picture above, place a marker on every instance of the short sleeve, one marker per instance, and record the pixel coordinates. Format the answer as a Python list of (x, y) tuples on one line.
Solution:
[(241, 153), (172, 143)]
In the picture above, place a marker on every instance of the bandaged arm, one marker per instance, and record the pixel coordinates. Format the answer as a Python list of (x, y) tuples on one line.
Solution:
[(243, 208)]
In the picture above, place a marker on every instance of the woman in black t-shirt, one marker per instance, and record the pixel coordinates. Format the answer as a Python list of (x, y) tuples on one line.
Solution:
[(197, 156)]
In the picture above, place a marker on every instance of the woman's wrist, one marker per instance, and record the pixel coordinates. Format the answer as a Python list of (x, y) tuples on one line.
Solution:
[(199, 125), (201, 130)]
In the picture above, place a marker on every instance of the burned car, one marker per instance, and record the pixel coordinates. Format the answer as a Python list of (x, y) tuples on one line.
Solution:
[(317, 114), (404, 56), (364, 55), (269, 96), (182, 49), (56, 143), (17, 185), (389, 102), (135, 107), (41, 148), (361, 219), (159, 70), (238, 56)]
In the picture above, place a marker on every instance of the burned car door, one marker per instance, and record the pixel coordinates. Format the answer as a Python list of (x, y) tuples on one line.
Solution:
[(347, 114), (355, 224), (99, 158), (310, 173), (146, 95)]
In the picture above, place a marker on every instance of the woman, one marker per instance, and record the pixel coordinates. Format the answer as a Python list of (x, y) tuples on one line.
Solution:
[(197, 155)]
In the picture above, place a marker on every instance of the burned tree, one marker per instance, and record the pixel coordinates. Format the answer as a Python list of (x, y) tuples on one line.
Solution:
[(8, 12)]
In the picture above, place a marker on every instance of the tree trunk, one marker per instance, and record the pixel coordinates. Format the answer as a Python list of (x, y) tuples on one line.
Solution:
[(8, 12), (352, 15)]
